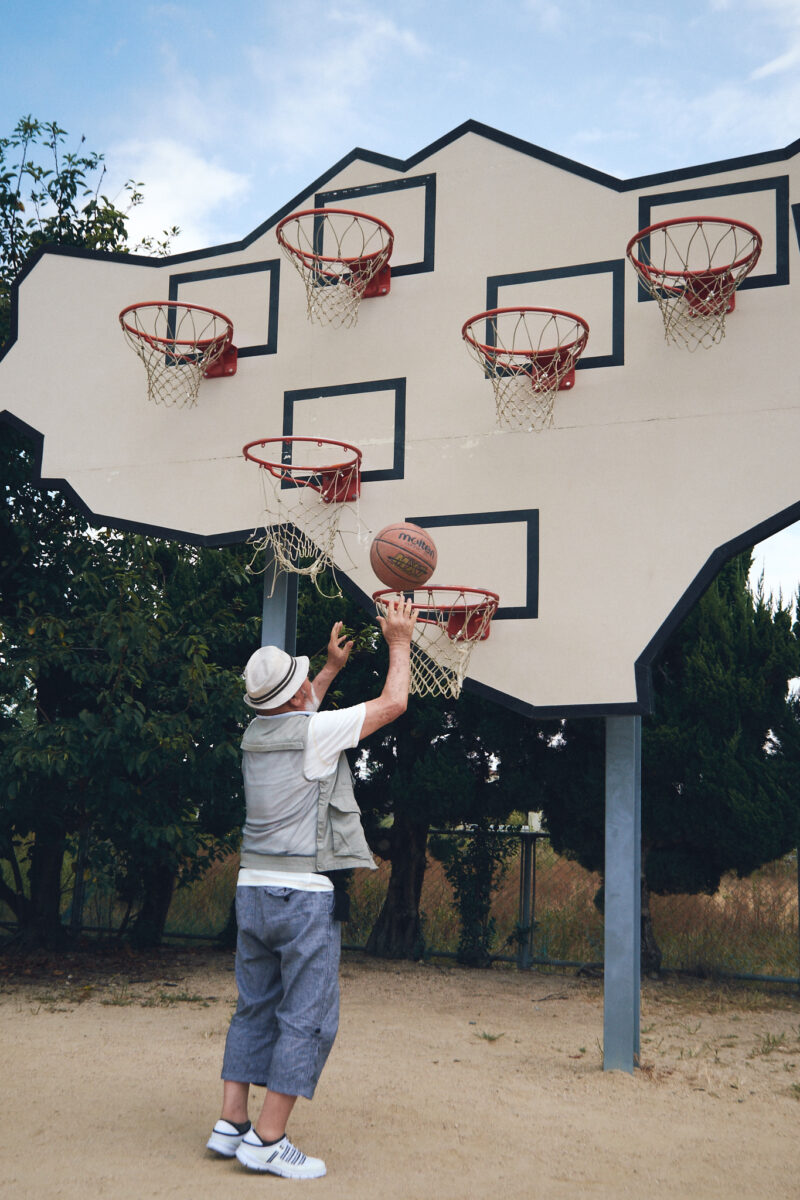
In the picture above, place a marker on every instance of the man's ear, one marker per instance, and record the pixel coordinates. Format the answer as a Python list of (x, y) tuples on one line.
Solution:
[(297, 700)]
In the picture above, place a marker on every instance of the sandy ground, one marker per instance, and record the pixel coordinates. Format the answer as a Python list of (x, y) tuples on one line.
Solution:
[(443, 1083)]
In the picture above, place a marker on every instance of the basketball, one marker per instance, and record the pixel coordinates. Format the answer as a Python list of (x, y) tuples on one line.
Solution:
[(403, 556)]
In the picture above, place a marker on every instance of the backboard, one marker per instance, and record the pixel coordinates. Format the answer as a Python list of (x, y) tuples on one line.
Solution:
[(597, 533)]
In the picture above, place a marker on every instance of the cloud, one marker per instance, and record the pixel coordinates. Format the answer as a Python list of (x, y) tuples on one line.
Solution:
[(548, 16), (181, 187), (786, 15), (777, 559), (318, 91), (784, 62)]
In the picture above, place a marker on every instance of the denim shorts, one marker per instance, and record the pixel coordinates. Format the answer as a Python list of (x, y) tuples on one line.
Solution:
[(287, 973)]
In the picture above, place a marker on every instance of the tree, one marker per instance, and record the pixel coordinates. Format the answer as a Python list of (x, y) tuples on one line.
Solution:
[(121, 693), (717, 794), (52, 197), (117, 726)]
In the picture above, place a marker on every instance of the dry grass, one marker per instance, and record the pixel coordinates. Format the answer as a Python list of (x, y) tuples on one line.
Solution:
[(750, 926)]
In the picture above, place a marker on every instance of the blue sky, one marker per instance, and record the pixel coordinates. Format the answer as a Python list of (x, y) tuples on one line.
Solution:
[(226, 112)]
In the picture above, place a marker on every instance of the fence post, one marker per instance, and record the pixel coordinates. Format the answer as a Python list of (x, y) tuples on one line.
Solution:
[(527, 899)]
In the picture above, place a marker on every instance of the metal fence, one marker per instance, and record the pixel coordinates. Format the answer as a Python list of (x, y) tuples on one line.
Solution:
[(543, 914)]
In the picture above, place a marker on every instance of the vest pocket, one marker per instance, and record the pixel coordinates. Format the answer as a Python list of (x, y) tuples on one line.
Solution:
[(345, 818)]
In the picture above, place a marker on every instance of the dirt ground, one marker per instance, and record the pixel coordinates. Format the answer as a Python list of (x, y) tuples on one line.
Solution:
[(444, 1083)]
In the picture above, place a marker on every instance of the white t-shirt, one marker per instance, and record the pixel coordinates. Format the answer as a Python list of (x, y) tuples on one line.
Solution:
[(329, 733)]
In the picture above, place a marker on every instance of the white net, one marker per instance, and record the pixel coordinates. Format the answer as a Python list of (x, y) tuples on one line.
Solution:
[(529, 354), (177, 343), (303, 504), (341, 256), (450, 621), (692, 269)]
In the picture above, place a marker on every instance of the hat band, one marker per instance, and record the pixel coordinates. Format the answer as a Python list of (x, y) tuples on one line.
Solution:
[(264, 696)]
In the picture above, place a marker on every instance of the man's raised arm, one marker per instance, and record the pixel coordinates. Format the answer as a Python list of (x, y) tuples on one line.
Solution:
[(397, 627)]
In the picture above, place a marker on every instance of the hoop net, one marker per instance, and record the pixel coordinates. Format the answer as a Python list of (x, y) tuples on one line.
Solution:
[(529, 354), (692, 268), (341, 257), (178, 344), (450, 621), (304, 504)]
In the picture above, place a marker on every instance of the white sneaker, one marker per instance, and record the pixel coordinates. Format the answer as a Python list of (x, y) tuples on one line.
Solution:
[(281, 1158), (225, 1139)]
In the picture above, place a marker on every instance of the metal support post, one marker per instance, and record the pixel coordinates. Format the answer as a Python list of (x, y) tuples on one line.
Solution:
[(623, 893), (279, 610)]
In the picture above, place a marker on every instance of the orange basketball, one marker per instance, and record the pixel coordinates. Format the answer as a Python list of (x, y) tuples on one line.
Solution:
[(403, 556)]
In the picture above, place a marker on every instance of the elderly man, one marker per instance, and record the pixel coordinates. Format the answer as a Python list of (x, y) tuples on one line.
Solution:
[(302, 819)]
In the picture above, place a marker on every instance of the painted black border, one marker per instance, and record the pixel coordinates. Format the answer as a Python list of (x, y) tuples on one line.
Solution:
[(778, 183), (637, 183), (54, 484), (345, 197), (615, 267), (695, 590), (527, 516), (270, 266), (398, 386)]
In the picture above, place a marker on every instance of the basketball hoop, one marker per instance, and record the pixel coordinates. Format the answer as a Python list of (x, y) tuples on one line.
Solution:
[(450, 621), (342, 256), (179, 344), (529, 355), (692, 266), (304, 504)]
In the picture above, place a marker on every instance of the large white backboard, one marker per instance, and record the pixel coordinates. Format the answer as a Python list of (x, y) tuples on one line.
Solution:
[(597, 533)]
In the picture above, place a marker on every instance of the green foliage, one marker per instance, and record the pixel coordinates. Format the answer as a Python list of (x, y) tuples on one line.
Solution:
[(475, 864), (720, 755), (52, 196), (120, 698), (116, 723)]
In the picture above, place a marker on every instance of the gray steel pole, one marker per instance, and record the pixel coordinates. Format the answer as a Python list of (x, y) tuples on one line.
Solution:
[(623, 894), (279, 610)]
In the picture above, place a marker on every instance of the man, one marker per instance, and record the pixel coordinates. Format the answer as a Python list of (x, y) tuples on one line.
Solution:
[(302, 819)]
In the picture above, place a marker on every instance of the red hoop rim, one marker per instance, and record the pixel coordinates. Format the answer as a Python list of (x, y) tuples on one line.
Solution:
[(648, 268), (153, 340), (282, 470), (495, 351), (489, 599), (337, 258)]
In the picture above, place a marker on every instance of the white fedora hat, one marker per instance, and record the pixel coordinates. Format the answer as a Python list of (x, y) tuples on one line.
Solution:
[(272, 677)]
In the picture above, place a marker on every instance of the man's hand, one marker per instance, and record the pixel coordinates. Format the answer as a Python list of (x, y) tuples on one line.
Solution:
[(398, 624), (397, 627), (338, 653)]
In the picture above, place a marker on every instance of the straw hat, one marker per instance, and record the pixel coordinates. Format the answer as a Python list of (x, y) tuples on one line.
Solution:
[(272, 677)]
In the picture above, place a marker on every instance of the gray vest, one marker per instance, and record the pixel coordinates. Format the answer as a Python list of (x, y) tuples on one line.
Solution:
[(340, 841)]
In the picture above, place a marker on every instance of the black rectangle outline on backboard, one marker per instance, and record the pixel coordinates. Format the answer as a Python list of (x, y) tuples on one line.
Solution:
[(527, 516), (779, 184), (345, 196), (398, 386), (272, 266), (615, 267)]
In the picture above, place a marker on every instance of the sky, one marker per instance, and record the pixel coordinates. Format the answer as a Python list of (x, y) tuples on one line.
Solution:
[(225, 113)]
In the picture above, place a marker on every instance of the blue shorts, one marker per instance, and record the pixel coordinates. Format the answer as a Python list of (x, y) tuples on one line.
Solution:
[(287, 972)]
